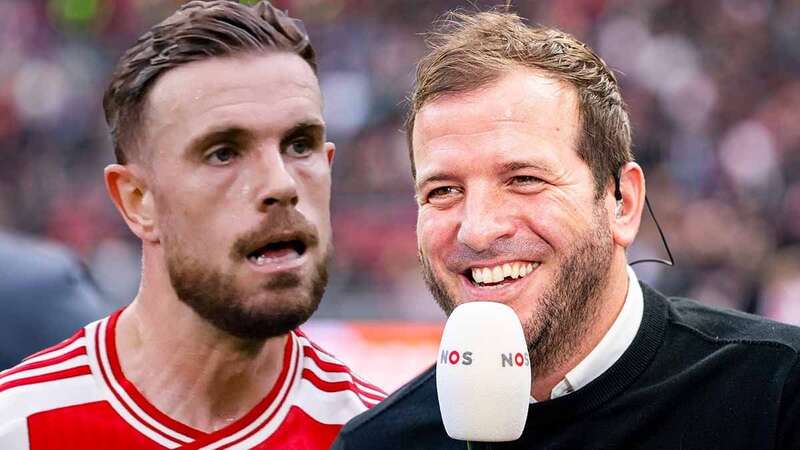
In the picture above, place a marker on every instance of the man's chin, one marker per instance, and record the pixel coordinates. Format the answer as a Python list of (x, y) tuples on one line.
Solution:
[(262, 324), (270, 311), (279, 305)]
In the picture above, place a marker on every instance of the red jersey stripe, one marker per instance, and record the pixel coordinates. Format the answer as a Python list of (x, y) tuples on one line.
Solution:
[(59, 375), (335, 386), (44, 363), (339, 386), (337, 368), (334, 367)]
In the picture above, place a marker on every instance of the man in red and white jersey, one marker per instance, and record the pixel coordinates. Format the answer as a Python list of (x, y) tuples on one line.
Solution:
[(223, 172), (77, 396)]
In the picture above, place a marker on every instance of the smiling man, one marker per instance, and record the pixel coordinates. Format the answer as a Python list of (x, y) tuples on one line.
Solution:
[(528, 195), (224, 174)]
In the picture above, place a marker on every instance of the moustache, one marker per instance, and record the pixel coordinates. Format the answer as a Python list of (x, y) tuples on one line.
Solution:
[(280, 225), (462, 257)]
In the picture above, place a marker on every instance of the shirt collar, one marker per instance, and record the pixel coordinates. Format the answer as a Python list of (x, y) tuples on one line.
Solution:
[(611, 347)]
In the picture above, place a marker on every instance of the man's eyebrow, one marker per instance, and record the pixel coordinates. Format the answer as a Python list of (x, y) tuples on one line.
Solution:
[(233, 133), (313, 128), (220, 134), (437, 176), (512, 166)]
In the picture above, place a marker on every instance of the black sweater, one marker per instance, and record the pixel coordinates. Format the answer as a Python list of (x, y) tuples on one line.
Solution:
[(694, 377)]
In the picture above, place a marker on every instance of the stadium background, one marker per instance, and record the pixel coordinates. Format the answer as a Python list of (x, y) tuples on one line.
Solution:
[(713, 89)]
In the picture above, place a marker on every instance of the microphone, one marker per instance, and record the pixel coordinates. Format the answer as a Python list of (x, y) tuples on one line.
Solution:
[(483, 373)]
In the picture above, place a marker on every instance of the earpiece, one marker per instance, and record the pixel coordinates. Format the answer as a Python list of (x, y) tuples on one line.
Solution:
[(618, 197), (618, 212)]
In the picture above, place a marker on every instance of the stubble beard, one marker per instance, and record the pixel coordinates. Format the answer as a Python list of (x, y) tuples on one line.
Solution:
[(273, 308), (569, 305)]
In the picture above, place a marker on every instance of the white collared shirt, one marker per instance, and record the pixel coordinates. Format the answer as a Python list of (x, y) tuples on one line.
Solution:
[(616, 340)]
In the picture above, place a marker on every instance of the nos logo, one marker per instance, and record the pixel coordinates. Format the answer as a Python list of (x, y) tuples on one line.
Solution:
[(511, 360), (454, 357)]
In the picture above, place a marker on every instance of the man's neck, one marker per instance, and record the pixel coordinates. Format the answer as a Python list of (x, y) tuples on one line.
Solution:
[(612, 301), (190, 370)]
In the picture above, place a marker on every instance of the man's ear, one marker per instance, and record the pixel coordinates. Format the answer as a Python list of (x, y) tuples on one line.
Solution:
[(628, 209), (129, 191), (330, 151)]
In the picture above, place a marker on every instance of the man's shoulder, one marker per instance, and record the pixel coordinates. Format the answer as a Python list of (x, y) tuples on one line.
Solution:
[(330, 391), (724, 325), (53, 378), (414, 407)]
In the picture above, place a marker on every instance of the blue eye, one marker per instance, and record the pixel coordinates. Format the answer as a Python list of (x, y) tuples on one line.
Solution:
[(221, 156), (300, 148)]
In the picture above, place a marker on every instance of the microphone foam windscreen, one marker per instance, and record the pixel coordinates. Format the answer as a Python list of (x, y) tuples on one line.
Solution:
[(483, 373)]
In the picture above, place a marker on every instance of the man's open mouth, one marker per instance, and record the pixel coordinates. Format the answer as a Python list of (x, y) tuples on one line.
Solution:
[(277, 251), (500, 274)]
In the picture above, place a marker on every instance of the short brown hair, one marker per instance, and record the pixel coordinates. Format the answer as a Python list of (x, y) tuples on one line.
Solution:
[(472, 50), (198, 30)]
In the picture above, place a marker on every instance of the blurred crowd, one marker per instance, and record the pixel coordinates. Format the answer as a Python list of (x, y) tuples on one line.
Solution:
[(713, 89)]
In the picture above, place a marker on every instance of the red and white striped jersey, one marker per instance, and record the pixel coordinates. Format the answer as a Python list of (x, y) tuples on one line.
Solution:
[(75, 396)]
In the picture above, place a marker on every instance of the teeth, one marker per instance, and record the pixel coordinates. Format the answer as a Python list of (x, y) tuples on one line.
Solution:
[(497, 274), (477, 275)]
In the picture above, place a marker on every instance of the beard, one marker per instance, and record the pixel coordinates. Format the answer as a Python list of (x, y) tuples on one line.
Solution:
[(569, 304), (252, 312)]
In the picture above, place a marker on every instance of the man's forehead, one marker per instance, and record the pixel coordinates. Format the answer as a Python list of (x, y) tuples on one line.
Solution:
[(199, 78), (277, 79), (519, 96)]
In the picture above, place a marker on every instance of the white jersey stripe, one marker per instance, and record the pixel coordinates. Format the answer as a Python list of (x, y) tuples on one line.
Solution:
[(371, 402), (14, 435), (328, 407), (81, 342)]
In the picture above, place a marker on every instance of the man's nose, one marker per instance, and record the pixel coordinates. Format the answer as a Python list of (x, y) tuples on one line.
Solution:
[(277, 185), (485, 220)]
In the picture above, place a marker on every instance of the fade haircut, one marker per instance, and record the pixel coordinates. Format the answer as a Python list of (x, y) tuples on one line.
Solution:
[(469, 51), (197, 31)]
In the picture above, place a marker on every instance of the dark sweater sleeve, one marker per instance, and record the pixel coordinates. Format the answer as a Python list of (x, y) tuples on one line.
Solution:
[(338, 444), (789, 420)]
